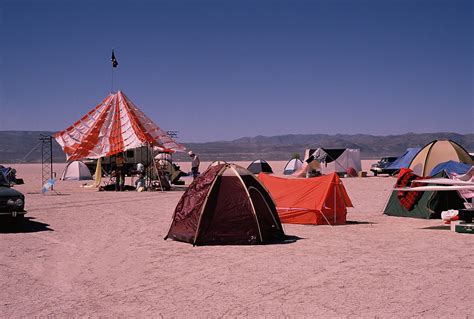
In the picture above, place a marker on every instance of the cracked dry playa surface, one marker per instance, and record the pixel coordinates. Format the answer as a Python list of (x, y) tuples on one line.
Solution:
[(88, 253)]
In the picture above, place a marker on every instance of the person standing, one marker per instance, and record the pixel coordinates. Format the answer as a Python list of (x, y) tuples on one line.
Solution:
[(120, 172), (194, 164)]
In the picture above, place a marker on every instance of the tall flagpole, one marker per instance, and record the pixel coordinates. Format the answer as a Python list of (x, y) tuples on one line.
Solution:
[(112, 86), (114, 62), (112, 65)]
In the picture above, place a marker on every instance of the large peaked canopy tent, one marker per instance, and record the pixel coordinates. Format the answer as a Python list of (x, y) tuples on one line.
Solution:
[(113, 126)]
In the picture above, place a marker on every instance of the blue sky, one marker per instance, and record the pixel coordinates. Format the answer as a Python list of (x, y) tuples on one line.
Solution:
[(220, 70)]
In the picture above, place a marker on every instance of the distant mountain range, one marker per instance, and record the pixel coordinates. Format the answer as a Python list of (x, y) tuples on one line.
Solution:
[(24, 146)]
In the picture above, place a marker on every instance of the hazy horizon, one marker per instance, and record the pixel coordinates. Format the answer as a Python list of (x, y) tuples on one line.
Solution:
[(179, 139)]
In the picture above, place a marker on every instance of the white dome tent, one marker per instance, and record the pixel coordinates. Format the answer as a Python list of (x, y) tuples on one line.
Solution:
[(75, 171), (292, 166)]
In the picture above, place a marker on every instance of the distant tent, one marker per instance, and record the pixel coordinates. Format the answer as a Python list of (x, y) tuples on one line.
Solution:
[(451, 167), (429, 205), (226, 205), (317, 201), (292, 166), (436, 152), (314, 168), (113, 126), (404, 160), (75, 171), (336, 160), (260, 166)]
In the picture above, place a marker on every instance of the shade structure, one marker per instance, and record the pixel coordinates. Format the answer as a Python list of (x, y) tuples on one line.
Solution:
[(317, 200), (436, 152), (335, 159), (113, 126), (226, 205)]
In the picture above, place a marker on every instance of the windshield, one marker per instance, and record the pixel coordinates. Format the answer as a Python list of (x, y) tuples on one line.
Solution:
[(3, 180)]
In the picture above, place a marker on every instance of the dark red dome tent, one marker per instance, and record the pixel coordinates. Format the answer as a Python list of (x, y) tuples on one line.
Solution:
[(226, 205)]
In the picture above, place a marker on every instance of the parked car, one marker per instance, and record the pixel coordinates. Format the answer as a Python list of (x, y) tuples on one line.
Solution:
[(381, 166), (12, 202)]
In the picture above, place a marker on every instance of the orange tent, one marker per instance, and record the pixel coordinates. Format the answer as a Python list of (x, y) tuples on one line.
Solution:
[(317, 200)]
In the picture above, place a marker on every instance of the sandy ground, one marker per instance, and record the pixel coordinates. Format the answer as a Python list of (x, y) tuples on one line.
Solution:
[(88, 253)]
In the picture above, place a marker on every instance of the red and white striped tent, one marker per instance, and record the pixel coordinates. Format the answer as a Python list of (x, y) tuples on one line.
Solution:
[(113, 126)]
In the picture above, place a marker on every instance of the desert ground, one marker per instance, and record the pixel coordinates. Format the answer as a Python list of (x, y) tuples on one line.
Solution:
[(102, 254)]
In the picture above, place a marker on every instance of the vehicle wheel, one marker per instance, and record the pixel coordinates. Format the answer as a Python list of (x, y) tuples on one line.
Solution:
[(375, 173)]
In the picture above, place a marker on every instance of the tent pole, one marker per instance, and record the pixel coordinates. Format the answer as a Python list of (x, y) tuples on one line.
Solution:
[(149, 168), (335, 194)]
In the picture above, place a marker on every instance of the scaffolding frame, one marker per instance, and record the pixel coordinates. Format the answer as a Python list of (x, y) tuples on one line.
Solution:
[(46, 159)]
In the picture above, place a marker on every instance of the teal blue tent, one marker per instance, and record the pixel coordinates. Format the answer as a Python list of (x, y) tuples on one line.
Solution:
[(404, 160), (451, 167)]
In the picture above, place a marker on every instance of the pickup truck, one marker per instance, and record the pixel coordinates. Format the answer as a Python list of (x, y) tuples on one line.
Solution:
[(12, 202), (381, 166)]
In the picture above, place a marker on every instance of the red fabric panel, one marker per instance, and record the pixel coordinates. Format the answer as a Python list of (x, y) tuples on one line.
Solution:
[(137, 126), (72, 127), (298, 216), (116, 138), (406, 178), (81, 150)]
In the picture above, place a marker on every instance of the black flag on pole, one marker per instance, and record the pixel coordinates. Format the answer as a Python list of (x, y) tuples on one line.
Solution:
[(114, 60)]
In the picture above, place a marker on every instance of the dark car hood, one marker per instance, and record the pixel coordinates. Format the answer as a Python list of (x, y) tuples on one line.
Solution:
[(10, 192)]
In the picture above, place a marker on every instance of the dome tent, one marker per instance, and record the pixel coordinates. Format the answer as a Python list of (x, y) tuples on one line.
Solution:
[(75, 171), (404, 160), (292, 166), (217, 162), (451, 167), (436, 152), (260, 166), (226, 205), (429, 205)]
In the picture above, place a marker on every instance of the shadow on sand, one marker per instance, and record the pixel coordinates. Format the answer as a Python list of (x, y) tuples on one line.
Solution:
[(289, 239), (28, 225), (355, 222), (440, 227)]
